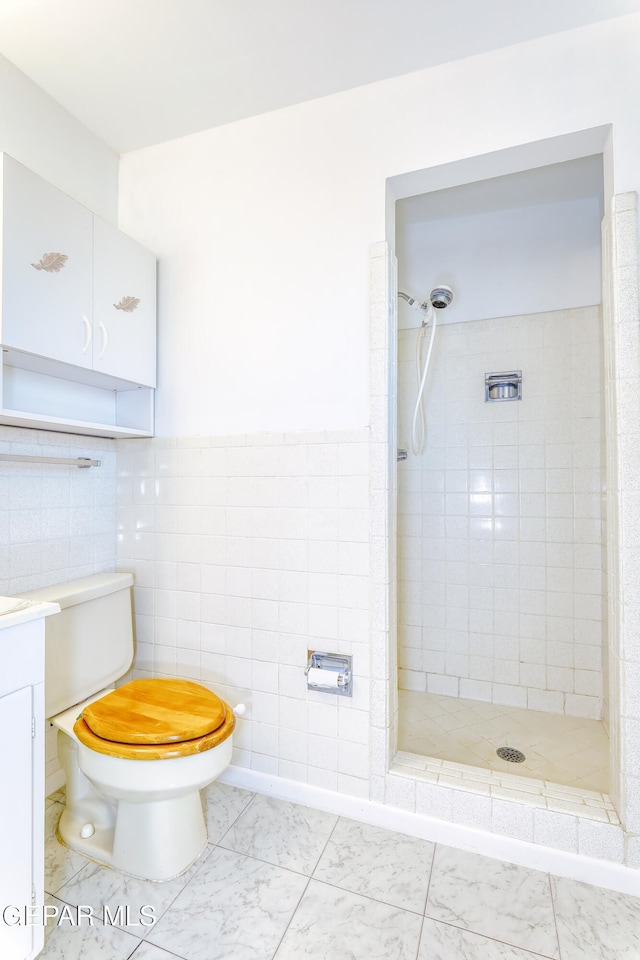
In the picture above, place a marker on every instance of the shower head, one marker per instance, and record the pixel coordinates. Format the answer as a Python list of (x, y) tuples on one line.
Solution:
[(441, 297)]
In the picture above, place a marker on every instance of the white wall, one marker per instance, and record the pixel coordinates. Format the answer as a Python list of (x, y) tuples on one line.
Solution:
[(527, 260), (263, 226), (57, 521), (40, 133)]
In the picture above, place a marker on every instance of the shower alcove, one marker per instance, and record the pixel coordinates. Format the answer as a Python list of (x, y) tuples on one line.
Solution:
[(498, 552), (500, 516)]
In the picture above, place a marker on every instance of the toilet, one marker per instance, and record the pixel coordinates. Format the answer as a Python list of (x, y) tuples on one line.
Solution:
[(135, 757)]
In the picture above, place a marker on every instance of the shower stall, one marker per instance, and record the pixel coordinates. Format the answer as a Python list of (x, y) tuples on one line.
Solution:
[(501, 512)]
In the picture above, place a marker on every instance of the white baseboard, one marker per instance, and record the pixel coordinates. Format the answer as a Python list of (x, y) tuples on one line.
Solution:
[(600, 873)]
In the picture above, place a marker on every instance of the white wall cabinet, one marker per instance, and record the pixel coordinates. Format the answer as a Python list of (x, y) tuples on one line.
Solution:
[(124, 306), (78, 315), (46, 268)]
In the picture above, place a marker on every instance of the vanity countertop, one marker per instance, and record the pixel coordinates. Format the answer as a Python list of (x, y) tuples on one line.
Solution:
[(15, 610)]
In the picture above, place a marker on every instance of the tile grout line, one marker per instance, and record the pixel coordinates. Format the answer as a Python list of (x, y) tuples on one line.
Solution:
[(555, 918), (422, 919), (485, 936), (426, 900), (365, 896), (295, 910)]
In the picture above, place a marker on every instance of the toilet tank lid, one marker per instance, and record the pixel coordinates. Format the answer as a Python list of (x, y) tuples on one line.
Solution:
[(84, 588)]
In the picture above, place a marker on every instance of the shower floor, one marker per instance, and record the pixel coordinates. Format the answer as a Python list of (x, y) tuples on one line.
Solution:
[(558, 748)]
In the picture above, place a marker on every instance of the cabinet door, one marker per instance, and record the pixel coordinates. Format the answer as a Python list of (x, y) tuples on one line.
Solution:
[(46, 269), (124, 306), (16, 830)]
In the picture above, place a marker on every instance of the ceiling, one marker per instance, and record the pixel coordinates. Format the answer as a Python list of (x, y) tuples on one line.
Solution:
[(579, 179), (138, 72)]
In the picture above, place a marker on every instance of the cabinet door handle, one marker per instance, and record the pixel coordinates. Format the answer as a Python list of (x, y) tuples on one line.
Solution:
[(88, 331), (105, 339)]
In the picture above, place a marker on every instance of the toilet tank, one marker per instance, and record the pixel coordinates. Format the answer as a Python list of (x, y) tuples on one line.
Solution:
[(89, 644)]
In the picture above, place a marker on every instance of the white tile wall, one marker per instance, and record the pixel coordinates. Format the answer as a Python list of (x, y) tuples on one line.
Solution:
[(622, 361), (248, 551), (500, 519), (57, 522)]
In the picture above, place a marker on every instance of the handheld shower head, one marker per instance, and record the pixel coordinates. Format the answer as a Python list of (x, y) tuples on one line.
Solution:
[(441, 297)]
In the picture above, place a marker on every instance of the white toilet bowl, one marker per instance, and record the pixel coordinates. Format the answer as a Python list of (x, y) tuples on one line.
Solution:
[(141, 816), (137, 757)]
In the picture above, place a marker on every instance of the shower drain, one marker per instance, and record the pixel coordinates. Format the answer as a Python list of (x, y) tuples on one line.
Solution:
[(510, 754)]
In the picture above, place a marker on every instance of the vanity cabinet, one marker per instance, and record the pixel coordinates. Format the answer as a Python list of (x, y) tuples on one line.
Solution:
[(22, 799), (17, 880), (78, 329)]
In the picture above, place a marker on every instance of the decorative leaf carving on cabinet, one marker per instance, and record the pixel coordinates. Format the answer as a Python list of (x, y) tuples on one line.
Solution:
[(51, 262), (127, 304)]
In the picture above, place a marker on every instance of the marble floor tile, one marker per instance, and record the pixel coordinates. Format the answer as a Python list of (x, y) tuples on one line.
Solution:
[(64, 941), (377, 863), (102, 887), (222, 806), (236, 908), (595, 924), (147, 951), (440, 941), (492, 898), (250, 898), (60, 863), (333, 924), (286, 834)]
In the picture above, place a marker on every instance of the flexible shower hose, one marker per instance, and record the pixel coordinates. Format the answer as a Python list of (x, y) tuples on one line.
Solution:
[(418, 424)]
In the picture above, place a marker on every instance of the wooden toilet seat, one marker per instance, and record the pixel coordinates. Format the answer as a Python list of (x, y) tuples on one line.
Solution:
[(155, 719)]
